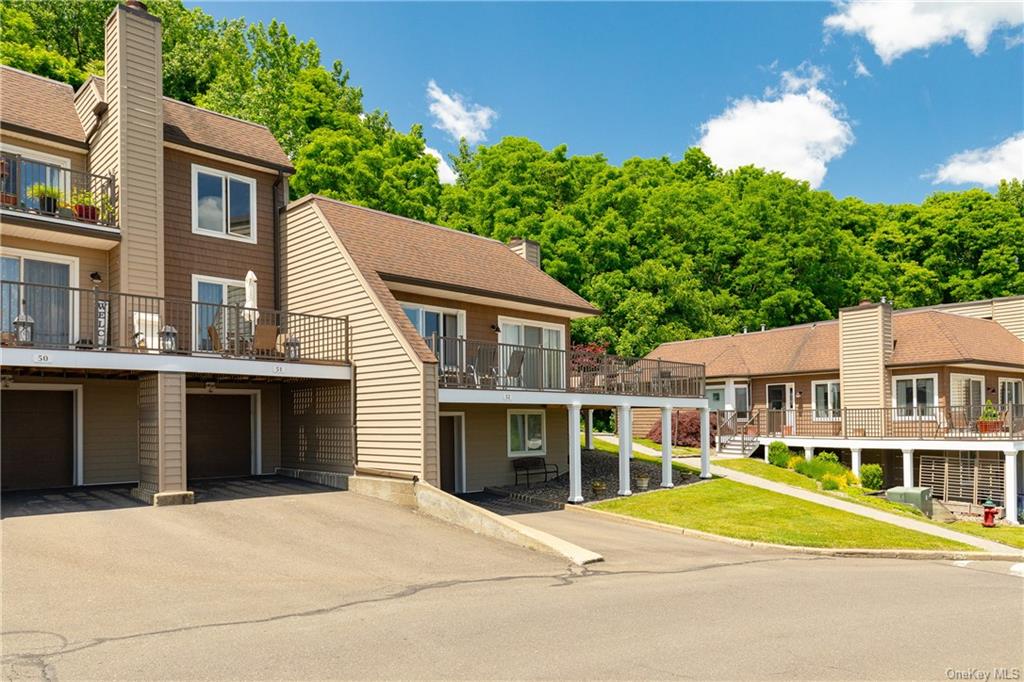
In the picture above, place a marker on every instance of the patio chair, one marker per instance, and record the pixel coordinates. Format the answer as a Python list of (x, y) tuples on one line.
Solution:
[(514, 371), (484, 368), (264, 340)]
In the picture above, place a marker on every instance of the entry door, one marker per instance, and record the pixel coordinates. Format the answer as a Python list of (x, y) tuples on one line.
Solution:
[(781, 399), (37, 441), (451, 453), (49, 306), (219, 435)]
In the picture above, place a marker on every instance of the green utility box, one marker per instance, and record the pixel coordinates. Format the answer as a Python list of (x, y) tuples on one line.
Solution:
[(915, 496)]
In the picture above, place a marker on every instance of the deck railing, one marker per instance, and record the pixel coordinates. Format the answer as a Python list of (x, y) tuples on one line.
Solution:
[(41, 188), (466, 363), (66, 318), (960, 422)]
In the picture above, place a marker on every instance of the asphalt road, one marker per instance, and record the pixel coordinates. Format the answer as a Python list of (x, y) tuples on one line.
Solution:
[(333, 585)]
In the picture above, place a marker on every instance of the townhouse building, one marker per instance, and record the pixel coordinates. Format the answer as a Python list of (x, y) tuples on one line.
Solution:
[(143, 334), (935, 395)]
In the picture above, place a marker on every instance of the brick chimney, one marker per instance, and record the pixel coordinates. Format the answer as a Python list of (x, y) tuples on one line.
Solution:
[(865, 349), (526, 248), (130, 145)]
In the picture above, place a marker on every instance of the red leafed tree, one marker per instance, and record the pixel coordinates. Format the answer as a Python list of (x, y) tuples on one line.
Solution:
[(685, 428)]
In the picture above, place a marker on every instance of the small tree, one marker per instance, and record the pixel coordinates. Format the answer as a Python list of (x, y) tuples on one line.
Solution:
[(778, 453), (871, 476), (685, 429)]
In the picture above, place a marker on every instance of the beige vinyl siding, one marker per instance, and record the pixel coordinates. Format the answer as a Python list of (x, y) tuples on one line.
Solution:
[(89, 260), (643, 419), (862, 337), (110, 437), (1008, 312), (135, 98), (85, 100), (431, 465), (487, 460), (318, 277), (316, 430)]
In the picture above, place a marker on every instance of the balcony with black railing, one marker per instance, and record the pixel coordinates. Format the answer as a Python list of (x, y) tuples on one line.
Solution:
[(38, 188), (486, 365), (44, 316)]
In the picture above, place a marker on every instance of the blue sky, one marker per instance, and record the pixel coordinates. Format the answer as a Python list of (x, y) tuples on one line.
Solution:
[(767, 83)]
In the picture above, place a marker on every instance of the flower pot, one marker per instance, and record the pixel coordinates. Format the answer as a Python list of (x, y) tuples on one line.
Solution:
[(598, 488), (787, 430), (751, 430), (989, 426), (87, 213), (8, 199), (643, 483), (48, 204)]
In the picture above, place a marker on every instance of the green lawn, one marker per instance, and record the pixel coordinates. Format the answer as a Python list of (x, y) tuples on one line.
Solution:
[(735, 510), (677, 451), (605, 446), (1008, 535)]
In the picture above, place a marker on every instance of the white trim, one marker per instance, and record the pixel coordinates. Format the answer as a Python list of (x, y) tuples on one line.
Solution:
[(78, 441), (828, 407), (160, 362), (225, 186), (543, 452), (91, 227), (935, 396), (953, 376), (34, 155), (73, 281), (460, 314), (63, 146), (460, 485), (255, 421), (1010, 380), (209, 279), (476, 396), (504, 319)]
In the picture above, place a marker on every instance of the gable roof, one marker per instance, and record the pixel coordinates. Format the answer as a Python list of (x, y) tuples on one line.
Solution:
[(926, 336), (38, 105), (45, 107), (402, 250)]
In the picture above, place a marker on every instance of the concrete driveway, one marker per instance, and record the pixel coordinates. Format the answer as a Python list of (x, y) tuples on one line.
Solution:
[(334, 585)]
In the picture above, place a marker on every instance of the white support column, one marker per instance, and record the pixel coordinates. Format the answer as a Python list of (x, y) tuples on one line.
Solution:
[(1010, 487), (808, 453), (908, 467), (705, 443), (729, 399), (666, 447), (588, 430), (855, 461), (575, 466), (625, 421)]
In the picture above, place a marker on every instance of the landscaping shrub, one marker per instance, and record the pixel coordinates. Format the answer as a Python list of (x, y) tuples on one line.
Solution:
[(793, 461), (871, 476), (827, 457), (778, 454), (817, 469), (685, 429), (830, 482)]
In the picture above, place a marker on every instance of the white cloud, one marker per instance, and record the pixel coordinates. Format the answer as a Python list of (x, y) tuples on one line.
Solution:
[(444, 171), (459, 118), (895, 27), (859, 70), (985, 166), (797, 130)]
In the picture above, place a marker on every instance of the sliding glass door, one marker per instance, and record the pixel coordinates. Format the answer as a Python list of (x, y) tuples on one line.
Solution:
[(541, 347), (50, 305)]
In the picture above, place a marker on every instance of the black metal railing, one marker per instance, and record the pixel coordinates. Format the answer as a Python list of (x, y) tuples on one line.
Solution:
[(66, 318), (960, 422), (40, 188), (466, 363)]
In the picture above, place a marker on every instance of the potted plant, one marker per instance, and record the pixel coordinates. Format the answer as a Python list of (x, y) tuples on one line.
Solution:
[(643, 482), (598, 488), (84, 206), (47, 195), (989, 421)]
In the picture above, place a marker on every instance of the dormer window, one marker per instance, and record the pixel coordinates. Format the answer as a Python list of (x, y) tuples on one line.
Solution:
[(223, 204)]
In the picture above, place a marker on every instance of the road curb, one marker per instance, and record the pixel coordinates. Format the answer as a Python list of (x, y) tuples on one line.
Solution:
[(916, 554)]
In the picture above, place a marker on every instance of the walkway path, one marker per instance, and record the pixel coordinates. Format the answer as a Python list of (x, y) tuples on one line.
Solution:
[(835, 503)]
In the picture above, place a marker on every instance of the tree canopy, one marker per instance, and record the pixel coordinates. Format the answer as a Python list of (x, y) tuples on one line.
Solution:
[(666, 249)]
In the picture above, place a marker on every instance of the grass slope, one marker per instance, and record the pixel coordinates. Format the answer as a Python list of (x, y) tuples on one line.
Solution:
[(735, 510), (605, 446)]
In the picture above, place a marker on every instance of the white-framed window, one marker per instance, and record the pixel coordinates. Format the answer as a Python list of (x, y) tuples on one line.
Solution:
[(36, 168), (448, 324), (223, 204), (50, 302), (527, 433), (1011, 391), (544, 368), (825, 400), (915, 396), (212, 295)]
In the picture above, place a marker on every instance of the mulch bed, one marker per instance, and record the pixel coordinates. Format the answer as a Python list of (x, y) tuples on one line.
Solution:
[(599, 466)]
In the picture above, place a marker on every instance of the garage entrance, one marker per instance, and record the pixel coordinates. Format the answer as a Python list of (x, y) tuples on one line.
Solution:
[(219, 441), (37, 445)]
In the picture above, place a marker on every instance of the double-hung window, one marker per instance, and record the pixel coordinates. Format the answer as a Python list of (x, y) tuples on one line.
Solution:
[(826, 400), (526, 433), (915, 396), (223, 204)]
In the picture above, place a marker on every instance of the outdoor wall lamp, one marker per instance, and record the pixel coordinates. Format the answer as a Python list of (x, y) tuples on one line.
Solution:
[(23, 325), (169, 339), (496, 329), (291, 349), (96, 278)]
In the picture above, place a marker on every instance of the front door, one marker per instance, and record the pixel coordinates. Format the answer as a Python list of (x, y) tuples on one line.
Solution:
[(780, 407), (451, 453)]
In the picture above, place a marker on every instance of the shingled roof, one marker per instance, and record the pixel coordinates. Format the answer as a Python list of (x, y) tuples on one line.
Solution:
[(921, 337), (33, 104), (37, 105), (413, 252)]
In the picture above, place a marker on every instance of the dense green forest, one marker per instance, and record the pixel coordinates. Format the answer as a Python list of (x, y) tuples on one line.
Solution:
[(667, 249)]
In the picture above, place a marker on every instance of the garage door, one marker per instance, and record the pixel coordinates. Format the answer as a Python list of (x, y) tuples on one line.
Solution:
[(37, 442), (219, 440)]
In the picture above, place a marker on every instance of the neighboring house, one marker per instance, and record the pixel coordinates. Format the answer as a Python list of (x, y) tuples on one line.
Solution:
[(465, 368), (907, 389), (143, 338)]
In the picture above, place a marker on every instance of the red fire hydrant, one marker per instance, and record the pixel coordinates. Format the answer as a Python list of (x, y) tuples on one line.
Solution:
[(989, 521)]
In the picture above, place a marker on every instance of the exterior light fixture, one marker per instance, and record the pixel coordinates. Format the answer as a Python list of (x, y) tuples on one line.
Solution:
[(168, 339), (96, 279), (23, 325), (291, 349)]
